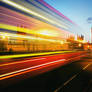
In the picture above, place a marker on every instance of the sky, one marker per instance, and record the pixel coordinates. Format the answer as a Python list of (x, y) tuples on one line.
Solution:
[(76, 10)]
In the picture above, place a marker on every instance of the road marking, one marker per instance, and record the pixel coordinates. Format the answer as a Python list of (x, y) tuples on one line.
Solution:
[(21, 62), (86, 67), (11, 74), (70, 79)]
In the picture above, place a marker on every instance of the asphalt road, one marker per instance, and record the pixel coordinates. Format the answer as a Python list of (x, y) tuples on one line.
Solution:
[(73, 77), (16, 70)]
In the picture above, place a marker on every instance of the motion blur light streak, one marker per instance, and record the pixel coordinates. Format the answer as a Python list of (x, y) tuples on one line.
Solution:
[(35, 38), (21, 62), (11, 74), (26, 70), (32, 54), (56, 11), (14, 28), (31, 12), (48, 32)]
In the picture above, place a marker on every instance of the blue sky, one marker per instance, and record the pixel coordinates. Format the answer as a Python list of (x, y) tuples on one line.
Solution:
[(76, 10)]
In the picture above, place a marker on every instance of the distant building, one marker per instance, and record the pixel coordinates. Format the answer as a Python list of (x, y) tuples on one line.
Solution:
[(80, 37), (88, 46)]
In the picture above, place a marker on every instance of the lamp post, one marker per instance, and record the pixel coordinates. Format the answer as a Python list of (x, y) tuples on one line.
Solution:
[(89, 20), (91, 34)]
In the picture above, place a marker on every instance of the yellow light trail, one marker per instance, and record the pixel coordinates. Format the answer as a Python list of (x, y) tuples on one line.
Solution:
[(17, 29), (48, 32), (31, 12), (3, 34), (32, 54), (29, 31)]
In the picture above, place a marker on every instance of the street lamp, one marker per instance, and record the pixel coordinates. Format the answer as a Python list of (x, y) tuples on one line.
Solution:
[(79, 44), (89, 20)]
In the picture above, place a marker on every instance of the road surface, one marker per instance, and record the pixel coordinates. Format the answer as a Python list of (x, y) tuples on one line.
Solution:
[(71, 77)]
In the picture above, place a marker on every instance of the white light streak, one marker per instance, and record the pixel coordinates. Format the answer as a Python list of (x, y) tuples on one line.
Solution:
[(37, 66), (32, 12)]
